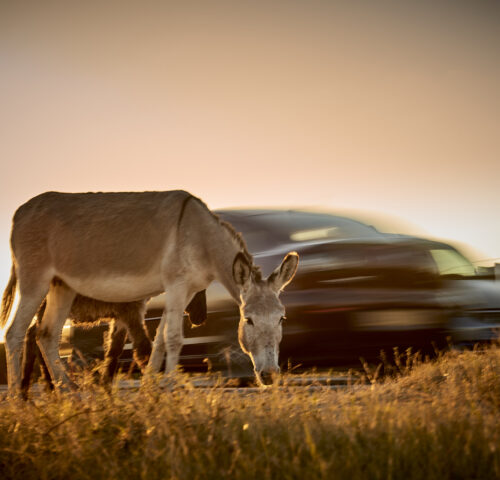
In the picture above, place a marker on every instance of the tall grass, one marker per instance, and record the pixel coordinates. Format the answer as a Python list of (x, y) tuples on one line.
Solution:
[(434, 420)]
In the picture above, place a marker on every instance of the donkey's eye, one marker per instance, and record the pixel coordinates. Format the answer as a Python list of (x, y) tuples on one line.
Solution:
[(282, 319), (249, 321)]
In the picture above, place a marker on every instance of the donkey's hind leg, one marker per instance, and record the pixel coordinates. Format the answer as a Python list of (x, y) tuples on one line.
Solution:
[(31, 296), (29, 358), (59, 301), (30, 355), (117, 336), (133, 319)]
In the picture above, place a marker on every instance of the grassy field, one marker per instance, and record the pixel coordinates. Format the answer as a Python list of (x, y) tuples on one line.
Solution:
[(432, 420)]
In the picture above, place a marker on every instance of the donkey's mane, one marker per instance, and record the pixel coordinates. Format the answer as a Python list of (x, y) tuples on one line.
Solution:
[(236, 236)]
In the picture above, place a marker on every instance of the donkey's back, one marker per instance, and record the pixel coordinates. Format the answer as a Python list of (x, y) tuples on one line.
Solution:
[(115, 247), (77, 234)]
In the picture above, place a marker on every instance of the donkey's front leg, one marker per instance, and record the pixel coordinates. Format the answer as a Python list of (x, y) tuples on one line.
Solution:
[(59, 301), (158, 352), (174, 337), (169, 335)]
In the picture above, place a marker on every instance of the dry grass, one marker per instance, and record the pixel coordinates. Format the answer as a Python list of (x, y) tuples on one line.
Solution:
[(429, 420)]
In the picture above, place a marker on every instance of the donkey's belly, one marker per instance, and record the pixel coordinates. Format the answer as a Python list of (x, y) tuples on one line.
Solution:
[(118, 288)]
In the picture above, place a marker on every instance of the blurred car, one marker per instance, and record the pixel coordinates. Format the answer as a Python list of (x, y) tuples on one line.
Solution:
[(357, 291)]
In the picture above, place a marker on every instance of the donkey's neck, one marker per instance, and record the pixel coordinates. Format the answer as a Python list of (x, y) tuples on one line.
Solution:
[(228, 245)]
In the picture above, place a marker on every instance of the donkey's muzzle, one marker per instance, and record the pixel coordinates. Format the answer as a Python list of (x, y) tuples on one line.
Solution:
[(268, 376)]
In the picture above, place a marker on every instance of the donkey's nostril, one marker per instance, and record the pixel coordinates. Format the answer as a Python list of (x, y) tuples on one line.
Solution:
[(268, 376)]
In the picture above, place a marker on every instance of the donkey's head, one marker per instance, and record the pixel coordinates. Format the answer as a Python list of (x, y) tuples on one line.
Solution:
[(261, 312)]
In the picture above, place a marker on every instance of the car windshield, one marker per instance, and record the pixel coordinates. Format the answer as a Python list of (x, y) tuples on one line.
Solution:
[(261, 229)]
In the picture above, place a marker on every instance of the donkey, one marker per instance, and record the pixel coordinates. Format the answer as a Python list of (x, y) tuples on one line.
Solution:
[(123, 318), (125, 247)]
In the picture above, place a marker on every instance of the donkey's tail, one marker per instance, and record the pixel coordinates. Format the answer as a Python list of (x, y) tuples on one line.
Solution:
[(8, 297)]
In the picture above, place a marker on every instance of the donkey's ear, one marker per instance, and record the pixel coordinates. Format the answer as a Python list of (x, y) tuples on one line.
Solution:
[(283, 275), (242, 271)]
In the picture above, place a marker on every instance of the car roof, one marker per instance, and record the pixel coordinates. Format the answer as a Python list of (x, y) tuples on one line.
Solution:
[(253, 212), (242, 213)]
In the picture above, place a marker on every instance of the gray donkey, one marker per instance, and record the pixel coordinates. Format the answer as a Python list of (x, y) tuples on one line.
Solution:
[(126, 247)]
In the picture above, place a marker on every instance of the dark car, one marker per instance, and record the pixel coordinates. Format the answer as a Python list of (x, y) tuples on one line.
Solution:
[(357, 291)]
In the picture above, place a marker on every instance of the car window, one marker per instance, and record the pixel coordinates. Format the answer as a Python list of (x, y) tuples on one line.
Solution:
[(304, 226), (301, 226), (264, 230), (451, 262), (317, 234)]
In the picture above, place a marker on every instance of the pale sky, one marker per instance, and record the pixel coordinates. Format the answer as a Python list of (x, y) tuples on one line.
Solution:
[(390, 106)]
